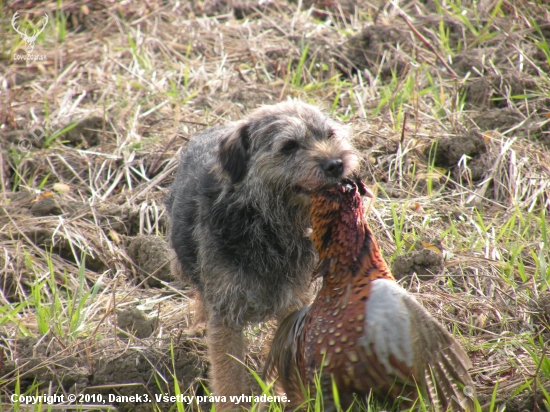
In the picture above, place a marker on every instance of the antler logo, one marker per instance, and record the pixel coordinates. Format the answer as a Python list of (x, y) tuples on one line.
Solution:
[(30, 40)]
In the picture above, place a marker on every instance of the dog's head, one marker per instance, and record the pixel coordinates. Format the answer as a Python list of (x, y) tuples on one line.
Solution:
[(286, 149)]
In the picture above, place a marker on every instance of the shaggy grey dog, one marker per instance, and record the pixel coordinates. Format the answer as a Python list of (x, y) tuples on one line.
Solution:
[(239, 221)]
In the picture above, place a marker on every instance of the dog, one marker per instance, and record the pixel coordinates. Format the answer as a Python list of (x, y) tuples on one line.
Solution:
[(239, 222)]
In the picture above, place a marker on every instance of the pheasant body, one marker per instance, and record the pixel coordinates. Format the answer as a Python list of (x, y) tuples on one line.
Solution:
[(363, 330)]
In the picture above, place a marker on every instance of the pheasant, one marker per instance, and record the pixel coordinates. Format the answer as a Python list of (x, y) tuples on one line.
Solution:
[(363, 330)]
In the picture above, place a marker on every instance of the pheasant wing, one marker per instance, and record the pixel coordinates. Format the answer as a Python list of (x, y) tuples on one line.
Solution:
[(406, 340), (285, 357)]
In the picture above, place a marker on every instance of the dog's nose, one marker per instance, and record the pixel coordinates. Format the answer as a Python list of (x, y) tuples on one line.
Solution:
[(333, 167)]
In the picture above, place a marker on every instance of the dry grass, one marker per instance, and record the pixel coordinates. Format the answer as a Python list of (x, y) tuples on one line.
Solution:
[(147, 76)]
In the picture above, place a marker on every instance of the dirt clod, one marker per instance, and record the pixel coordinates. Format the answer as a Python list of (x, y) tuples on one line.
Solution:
[(486, 86), (471, 148), (43, 362), (478, 92), (425, 263), (134, 321), (141, 365), (88, 132), (374, 45), (497, 119), (122, 219), (451, 149), (467, 61), (46, 206), (151, 255)]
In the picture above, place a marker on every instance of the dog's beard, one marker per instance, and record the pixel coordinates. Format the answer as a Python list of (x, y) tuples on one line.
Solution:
[(301, 202)]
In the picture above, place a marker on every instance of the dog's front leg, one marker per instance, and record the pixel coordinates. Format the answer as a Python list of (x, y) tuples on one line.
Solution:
[(228, 375)]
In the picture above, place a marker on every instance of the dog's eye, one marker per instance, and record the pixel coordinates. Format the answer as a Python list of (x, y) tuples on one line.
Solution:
[(290, 147)]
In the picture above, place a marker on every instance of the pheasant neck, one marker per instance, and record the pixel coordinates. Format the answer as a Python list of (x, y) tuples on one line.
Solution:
[(347, 249), (356, 263)]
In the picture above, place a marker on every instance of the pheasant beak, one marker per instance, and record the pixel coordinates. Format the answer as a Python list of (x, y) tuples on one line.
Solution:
[(361, 187), (367, 192)]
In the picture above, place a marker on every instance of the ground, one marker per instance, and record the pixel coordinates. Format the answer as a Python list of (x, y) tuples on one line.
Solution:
[(447, 101)]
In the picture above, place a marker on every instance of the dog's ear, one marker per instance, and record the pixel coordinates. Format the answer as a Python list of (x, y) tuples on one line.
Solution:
[(234, 152)]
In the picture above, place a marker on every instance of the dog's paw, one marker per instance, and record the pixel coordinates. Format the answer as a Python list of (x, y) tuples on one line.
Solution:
[(198, 330)]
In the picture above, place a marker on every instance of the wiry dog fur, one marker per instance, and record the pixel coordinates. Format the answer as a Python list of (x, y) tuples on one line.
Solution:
[(238, 219)]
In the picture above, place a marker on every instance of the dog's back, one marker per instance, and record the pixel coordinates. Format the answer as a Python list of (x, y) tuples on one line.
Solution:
[(183, 202)]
